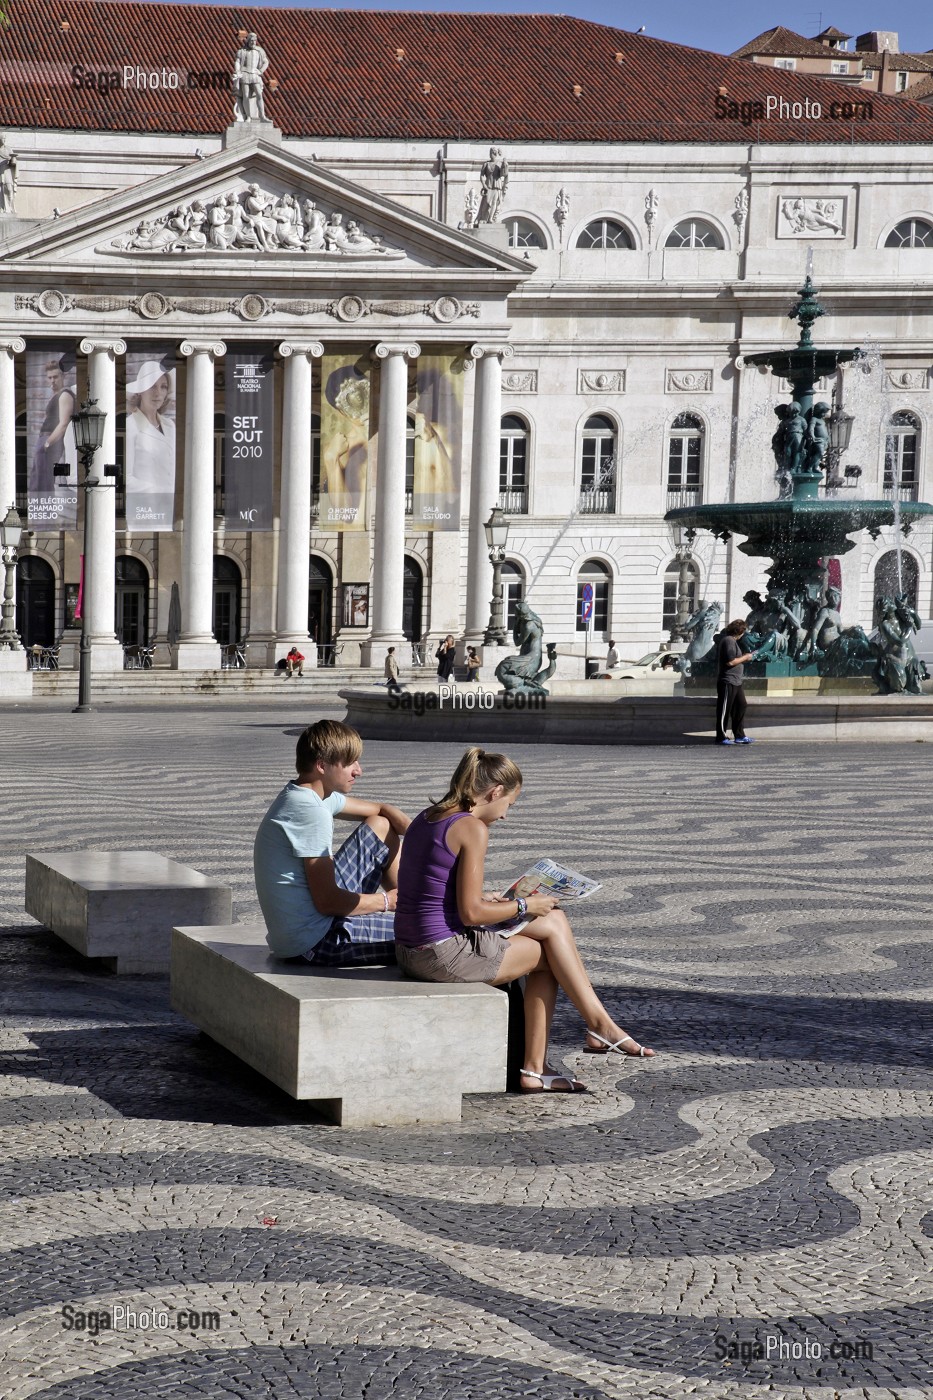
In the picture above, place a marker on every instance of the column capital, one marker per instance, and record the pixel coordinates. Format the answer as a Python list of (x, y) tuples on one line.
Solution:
[(216, 348), (476, 352), (384, 349), (312, 348), (112, 347), (13, 346)]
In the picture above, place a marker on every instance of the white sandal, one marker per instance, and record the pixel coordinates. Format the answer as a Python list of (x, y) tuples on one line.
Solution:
[(642, 1052), (548, 1081)]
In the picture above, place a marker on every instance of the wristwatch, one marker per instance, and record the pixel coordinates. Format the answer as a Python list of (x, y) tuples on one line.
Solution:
[(522, 906)]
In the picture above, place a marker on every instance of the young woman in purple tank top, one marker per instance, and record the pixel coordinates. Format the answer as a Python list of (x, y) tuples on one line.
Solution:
[(445, 927)]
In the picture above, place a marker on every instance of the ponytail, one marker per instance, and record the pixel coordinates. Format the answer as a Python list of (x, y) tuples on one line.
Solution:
[(475, 774)]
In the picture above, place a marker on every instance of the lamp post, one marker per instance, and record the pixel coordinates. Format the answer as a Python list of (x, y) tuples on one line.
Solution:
[(11, 532), (497, 534), (88, 424), (683, 547), (839, 424)]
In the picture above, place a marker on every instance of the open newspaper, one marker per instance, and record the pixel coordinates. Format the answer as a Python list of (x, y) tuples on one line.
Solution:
[(546, 877)]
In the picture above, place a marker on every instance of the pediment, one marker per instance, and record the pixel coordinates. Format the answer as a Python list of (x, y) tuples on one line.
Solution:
[(255, 205)]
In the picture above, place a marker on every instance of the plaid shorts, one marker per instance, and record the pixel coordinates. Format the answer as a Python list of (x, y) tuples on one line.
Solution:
[(358, 940)]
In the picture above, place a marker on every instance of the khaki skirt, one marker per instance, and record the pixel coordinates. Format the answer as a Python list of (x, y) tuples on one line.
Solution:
[(473, 956)]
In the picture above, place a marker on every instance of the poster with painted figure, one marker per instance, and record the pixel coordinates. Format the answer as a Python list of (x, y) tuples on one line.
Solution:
[(346, 441), (438, 442), (51, 401), (249, 438), (150, 440)]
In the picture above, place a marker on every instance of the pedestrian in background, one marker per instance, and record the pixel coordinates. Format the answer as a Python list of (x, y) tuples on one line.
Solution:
[(445, 658), (730, 692), (473, 663), (612, 657), (390, 670)]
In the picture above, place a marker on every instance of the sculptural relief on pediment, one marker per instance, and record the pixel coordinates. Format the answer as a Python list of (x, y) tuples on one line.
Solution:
[(252, 220), (799, 216)]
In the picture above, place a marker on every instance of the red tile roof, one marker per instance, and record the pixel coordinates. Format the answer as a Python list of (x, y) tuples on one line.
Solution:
[(383, 75), (783, 43)]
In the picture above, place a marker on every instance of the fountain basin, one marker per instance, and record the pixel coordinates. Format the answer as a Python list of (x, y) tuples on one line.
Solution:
[(805, 529)]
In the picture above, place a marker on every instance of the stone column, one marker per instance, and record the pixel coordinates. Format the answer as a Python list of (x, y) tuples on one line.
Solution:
[(8, 348), (389, 540), (197, 649), (484, 483), (295, 500), (99, 593)]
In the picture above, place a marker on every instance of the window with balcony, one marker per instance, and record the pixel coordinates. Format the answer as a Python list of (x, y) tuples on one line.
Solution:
[(671, 591), (694, 233), (911, 233), (902, 457), (685, 461), (605, 233), (513, 465), (596, 573), (598, 466), (524, 234)]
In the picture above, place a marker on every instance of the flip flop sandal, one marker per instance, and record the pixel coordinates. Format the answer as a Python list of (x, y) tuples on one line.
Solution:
[(549, 1080), (607, 1046)]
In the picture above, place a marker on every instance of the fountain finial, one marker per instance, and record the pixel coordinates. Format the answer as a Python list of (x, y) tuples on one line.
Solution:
[(806, 311)]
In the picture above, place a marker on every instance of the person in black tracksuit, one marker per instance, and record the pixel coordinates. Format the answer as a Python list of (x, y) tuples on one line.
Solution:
[(730, 693)]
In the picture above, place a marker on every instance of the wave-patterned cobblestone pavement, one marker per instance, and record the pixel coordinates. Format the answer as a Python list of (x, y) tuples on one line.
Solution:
[(747, 1215)]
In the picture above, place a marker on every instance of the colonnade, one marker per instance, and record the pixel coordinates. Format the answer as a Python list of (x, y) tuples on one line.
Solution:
[(197, 649)]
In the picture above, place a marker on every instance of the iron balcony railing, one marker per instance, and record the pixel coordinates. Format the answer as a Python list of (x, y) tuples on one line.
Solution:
[(902, 491), (678, 496), (596, 501), (514, 500)]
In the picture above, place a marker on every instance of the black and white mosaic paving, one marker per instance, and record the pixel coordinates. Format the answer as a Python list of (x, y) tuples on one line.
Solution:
[(747, 1215)]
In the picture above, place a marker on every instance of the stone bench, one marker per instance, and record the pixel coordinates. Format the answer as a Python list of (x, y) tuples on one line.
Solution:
[(121, 906), (376, 1047)]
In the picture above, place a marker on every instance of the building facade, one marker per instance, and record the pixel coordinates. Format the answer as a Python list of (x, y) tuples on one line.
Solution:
[(512, 260)]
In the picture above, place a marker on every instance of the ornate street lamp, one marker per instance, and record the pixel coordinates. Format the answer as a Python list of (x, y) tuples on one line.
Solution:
[(683, 547), (497, 534), (839, 424), (88, 425), (11, 532)]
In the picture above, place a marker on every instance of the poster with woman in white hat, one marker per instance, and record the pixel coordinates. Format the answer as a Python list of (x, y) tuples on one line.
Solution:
[(150, 440)]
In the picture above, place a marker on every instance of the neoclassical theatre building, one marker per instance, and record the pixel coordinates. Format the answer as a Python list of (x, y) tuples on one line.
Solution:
[(344, 285)]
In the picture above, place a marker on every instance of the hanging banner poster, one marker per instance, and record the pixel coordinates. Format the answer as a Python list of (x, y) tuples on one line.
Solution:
[(249, 440), (345, 441), (51, 400), (438, 441), (150, 439)]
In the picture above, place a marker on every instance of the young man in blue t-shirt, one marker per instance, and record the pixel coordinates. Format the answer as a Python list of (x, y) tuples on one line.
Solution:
[(334, 911)]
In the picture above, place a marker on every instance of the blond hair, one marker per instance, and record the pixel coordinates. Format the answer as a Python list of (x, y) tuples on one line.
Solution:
[(327, 741), (475, 774)]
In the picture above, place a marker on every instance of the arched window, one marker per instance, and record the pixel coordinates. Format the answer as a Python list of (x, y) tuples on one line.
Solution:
[(513, 465), (596, 573), (694, 233), (888, 583), (220, 462), (685, 461), (315, 467), (524, 234), (410, 428), (902, 457), (513, 590), (22, 465), (911, 233), (605, 233), (672, 593), (131, 580), (228, 593), (598, 466)]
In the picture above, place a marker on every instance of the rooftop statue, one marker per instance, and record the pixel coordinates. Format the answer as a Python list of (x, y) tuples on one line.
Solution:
[(494, 178), (7, 178), (523, 674), (248, 67)]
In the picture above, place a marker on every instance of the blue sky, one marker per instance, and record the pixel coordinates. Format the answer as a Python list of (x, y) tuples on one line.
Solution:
[(717, 26)]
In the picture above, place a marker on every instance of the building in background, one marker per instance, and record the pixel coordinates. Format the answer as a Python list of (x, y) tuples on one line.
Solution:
[(466, 261), (873, 64)]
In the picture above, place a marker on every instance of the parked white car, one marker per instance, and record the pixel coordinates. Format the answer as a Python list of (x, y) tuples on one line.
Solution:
[(639, 670)]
